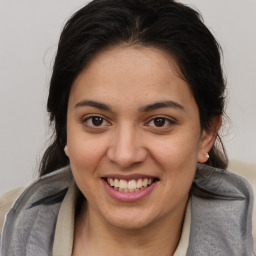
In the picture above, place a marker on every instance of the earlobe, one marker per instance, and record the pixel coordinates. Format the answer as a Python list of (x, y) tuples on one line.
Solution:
[(207, 139), (66, 150)]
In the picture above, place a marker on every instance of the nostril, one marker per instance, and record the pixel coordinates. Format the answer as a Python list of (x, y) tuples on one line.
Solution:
[(126, 154)]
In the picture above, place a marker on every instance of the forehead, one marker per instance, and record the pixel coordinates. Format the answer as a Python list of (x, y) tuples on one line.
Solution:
[(141, 73)]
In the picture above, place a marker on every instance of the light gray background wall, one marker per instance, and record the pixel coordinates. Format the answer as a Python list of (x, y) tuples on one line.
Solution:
[(29, 33)]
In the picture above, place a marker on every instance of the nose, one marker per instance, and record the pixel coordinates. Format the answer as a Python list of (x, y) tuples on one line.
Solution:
[(126, 148)]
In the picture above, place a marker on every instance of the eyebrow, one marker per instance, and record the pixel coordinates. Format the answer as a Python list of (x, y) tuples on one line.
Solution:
[(147, 108), (94, 104), (163, 104)]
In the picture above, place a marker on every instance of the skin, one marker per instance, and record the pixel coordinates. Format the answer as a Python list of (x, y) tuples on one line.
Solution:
[(128, 79)]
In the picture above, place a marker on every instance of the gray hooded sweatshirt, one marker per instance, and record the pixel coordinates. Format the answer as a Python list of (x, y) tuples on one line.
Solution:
[(221, 215)]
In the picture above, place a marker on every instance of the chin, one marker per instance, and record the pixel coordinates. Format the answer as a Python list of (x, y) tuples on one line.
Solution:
[(130, 219)]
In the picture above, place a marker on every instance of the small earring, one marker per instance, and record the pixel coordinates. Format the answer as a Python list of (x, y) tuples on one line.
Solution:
[(207, 155), (66, 151)]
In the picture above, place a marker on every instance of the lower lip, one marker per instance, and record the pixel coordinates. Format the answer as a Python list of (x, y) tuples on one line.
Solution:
[(131, 196)]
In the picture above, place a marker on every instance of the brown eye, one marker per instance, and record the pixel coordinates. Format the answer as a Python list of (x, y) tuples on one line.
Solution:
[(159, 122), (95, 122)]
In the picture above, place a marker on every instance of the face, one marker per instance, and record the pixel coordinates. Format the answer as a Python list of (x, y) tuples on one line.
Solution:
[(134, 136)]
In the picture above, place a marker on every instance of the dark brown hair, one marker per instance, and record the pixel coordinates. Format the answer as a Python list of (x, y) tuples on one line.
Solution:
[(165, 24)]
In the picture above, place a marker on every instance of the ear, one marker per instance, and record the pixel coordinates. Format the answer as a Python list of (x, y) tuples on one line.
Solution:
[(208, 138), (66, 150)]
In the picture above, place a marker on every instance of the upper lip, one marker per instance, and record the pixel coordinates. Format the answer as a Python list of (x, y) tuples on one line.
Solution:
[(129, 177)]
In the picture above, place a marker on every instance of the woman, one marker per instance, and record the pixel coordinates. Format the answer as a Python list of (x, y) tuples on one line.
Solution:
[(136, 164)]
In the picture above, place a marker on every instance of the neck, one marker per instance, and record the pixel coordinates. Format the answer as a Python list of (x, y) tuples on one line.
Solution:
[(94, 236)]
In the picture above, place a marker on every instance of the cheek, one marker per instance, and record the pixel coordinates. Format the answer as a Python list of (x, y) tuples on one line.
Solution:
[(85, 153), (85, 158), (179, 148), (177, 156)]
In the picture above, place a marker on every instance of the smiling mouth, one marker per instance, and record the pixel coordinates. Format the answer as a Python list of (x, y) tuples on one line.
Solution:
[(130, 186)]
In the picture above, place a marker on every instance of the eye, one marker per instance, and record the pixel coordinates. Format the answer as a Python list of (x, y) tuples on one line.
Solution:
[(95, 121), (160, 122)]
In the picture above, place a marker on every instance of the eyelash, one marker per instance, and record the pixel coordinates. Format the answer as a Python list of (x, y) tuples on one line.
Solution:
[(165, 119), (90, 118), (152, 119)]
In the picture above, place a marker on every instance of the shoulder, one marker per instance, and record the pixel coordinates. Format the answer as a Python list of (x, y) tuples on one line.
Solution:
[(36, 207), (248, 171), (6, 201), (244, 169)]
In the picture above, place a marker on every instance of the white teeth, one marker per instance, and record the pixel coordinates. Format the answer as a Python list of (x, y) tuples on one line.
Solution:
[(145, 183), (116, 183), (111, 182), (132, 184), (129, 186), (123, 184), (139, 183)]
